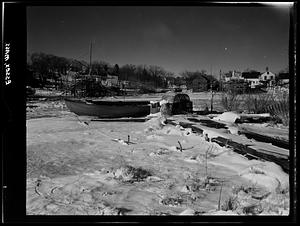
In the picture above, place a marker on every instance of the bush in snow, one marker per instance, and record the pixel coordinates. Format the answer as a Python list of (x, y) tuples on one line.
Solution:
[(230, 101)]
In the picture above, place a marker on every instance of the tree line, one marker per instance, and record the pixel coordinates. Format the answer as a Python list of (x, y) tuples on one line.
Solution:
[(47, 66)]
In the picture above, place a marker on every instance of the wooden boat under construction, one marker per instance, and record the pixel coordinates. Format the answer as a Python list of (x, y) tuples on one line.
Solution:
[(109, 109)]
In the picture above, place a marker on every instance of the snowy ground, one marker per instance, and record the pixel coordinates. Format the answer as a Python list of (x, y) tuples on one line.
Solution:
[(77, 168)]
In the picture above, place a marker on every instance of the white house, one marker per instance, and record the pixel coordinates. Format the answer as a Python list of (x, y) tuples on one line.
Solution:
[(283, 78), (254, 82), (227, 78), (233, 75), (268, 77), (236, 75), (112, 80), (253, 77)]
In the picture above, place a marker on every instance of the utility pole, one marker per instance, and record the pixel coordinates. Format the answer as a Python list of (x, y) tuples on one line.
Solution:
[(212, 96), (90, 71), (90, 59), (220, 80), (211, 90)]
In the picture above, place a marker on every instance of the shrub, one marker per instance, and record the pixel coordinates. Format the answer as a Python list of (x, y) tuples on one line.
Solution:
[(230, 204), (256, 103), (281, 107), (230, 100), (277, 104)]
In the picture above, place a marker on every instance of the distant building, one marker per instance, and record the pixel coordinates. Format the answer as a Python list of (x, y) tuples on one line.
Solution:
[(227, 77), (283, 78), (232, 75), (236, 75), (253, 77), (124, 84), (112, 80), (268, 77), (109, 80)]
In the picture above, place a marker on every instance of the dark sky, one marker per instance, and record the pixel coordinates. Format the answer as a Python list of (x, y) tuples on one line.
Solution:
[(176, 38)]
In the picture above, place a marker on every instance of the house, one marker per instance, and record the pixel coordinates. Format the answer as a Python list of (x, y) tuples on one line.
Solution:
[(236, 75), (283, 78), (227, 76), (124, 84), (268, 77), (253, 77), (232, 75), (110, 80)]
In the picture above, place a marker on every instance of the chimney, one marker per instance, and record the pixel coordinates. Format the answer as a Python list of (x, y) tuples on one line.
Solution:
[(267, 69)]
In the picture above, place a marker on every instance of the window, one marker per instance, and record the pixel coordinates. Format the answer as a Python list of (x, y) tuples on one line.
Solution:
[(265, 77)]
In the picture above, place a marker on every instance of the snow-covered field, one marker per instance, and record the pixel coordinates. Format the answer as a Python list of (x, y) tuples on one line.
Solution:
[(78, 168)]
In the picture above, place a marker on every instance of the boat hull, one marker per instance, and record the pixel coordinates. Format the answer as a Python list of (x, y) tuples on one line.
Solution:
[(108, 110)]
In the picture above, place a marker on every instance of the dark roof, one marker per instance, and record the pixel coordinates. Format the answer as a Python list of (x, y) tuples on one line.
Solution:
[(252, 74)]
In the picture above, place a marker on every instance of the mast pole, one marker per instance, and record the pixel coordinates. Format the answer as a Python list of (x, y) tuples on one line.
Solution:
[(90, 59), (211, 89)]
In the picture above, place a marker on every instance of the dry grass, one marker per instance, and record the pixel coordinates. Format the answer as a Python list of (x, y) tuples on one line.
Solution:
[(256, 103), (254, 200), (277, 104), (230, 203), (231, 101), (281, 107)]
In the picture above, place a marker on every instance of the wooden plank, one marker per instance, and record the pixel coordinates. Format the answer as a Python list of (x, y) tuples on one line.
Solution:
[(121, 120), (280, 133), (243, 149), (257, 145), (245, 141), (242, 145), (260, 149), (267, 139), (208, 123)]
